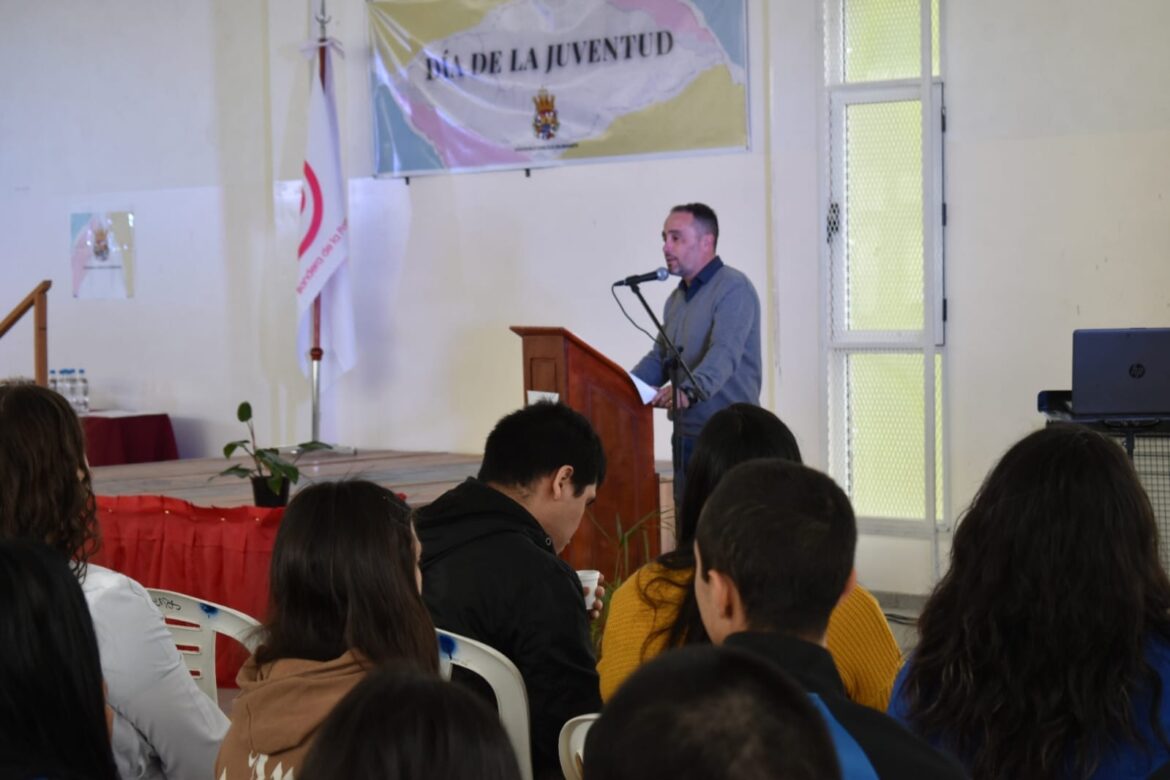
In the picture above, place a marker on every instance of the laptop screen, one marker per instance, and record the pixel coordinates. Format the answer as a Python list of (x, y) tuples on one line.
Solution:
[(1121, 372)]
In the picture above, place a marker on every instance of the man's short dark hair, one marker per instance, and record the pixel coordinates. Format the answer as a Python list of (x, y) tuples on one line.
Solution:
[(536, 441), (704, 216), (785, 535), (709, 713)]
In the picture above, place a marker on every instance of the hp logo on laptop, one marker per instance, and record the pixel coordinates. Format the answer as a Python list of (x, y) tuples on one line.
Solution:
[(1137, 371)]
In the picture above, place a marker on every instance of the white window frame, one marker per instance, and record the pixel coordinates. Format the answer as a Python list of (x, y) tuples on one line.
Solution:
[(929, 342)]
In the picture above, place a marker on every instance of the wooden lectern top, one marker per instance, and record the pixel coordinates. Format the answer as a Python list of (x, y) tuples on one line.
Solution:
[(550, 336)]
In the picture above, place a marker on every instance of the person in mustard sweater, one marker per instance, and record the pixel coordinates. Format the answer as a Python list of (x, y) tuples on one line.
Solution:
[(656, 609)]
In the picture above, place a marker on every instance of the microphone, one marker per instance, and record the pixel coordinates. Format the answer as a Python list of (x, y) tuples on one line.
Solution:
[(654, 276)]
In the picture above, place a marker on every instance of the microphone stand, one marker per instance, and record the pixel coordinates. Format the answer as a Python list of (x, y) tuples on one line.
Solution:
[(675, 362)]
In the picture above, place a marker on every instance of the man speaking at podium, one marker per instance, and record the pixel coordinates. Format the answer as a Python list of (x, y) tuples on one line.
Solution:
[(713, 317)]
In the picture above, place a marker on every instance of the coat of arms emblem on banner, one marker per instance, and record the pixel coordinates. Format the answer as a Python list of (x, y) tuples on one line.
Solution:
[(545, 124)]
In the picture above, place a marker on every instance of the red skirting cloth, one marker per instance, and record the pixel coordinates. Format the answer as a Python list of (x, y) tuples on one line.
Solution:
[(136, 438), (219, 555)]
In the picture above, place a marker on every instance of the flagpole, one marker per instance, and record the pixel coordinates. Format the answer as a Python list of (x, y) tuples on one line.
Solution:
[(323, 20), (316, 353)]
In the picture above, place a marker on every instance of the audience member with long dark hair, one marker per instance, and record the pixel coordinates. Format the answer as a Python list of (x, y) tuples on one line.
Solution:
[(52, 708), (656, 609), (404, 724), (344, 593), (1044, 651), (163, 726)]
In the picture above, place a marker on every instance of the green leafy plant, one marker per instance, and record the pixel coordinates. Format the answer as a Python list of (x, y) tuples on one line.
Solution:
[(621, 539), (268, 464)]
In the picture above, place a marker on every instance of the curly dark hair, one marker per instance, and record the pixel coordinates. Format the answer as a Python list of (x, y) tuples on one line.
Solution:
[(46, 493), (1033, 645), (739, 433)]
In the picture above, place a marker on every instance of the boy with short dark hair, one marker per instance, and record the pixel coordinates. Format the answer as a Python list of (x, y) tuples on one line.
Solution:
[(491, 569), (773, 556), (709, 713)]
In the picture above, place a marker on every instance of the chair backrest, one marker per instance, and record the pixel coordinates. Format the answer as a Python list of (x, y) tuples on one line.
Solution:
[(194, 623), (505, 681), (572, 745)]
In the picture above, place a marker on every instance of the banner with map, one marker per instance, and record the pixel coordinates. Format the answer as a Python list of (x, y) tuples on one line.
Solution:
[(464, 85)]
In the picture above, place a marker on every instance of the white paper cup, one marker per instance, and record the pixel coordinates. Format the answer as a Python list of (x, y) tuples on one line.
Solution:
[(589, 579)]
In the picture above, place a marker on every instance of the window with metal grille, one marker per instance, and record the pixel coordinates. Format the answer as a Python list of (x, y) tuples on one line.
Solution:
[(885, 313), (1150, 454)]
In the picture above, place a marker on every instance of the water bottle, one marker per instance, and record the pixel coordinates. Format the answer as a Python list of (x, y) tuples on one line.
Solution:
[(82, 392), (53, 379), (65, 386)]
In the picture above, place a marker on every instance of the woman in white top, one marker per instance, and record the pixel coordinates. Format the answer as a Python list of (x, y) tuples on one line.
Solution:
[(163, 726)]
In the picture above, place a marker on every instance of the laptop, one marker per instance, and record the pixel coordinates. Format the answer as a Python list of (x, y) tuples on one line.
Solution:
[(1121, 372)]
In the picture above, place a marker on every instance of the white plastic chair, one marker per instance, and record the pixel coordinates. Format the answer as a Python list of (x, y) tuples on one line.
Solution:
[(571, 745), (505, 681), (193, 624)]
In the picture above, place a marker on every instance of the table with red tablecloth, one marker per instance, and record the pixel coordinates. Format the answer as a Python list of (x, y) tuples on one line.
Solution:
[(219, 555), (114, 438)]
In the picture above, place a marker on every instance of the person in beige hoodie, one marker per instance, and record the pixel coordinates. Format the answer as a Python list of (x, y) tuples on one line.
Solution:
[(344, 599)]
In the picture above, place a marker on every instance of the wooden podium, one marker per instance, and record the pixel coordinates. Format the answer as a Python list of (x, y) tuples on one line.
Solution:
[(556, 361)]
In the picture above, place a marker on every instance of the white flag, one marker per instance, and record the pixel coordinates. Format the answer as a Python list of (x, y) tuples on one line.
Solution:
[(323, 254)]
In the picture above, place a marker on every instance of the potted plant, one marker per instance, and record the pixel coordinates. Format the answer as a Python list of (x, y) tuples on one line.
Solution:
[(271, 474)]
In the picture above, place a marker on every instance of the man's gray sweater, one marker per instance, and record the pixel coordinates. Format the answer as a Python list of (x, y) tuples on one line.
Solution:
[(718, 334)]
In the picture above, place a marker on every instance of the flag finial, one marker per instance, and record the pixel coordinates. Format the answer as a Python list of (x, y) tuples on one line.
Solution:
[(322, 19)]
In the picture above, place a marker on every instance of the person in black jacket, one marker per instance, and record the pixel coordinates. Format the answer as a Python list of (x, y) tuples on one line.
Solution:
[(773, 556), (491, 569)]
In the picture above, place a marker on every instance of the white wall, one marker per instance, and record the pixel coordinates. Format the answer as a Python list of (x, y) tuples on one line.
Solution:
[(1057, 184), (197, 125), (192, 116), (1059, 191), (157, 109)]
